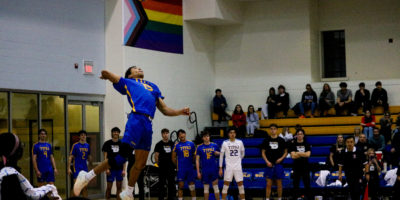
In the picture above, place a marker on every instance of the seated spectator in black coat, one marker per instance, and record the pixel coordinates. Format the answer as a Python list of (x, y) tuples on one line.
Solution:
[(379, 97), (344, 100), (326, 99), (220, 105), (386, 127), (395, 146), (271, 102), (282, 101), (308, 101), (377, 141), (362, 99)]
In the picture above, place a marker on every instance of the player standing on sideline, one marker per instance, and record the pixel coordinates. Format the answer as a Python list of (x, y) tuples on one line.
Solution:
[(274, 152), (233, 149), (80, 154), (163, 158), (206, 157), (43, 160), (110, 150), (183, 155), (144, 97)]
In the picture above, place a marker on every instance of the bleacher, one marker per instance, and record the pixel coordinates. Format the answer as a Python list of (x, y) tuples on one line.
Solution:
[(321, 133)]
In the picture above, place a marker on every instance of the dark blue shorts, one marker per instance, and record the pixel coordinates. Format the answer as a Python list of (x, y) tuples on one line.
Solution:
[(46, 177), (275, 172), (138, 132), (209, 176), (77, 170), (115, 175), (188, 175)]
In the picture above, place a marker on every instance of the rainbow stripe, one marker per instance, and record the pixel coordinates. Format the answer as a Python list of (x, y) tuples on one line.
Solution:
[(162, 26)]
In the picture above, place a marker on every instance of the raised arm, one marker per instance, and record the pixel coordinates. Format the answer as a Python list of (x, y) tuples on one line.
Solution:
[(107, 75), (167, 111)]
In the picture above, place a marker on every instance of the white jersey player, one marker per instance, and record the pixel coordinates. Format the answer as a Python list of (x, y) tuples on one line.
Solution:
[(233, 149)]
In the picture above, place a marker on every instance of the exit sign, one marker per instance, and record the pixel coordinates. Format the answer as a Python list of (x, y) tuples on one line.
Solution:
[(88, 67)]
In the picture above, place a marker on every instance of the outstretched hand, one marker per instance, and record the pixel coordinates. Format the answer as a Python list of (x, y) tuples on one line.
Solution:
[(104, 74), (185, 111)]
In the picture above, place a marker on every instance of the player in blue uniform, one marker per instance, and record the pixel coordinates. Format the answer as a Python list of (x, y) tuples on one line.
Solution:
[(43, 160), (80, 154), (206, 158), (144, 97), (183, 155)]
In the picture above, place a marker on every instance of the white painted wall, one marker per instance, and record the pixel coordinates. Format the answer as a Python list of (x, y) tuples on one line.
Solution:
[(278, 43), (184, 79), (41, 40), (368, 25)]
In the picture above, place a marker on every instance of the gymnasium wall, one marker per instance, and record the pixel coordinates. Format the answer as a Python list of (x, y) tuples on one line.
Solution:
[(41, 40), (279, 43)]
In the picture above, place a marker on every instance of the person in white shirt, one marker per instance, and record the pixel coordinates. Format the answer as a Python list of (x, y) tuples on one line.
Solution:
[(286, 134), (233, 149)]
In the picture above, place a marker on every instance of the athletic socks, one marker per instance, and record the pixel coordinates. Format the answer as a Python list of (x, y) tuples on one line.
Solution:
[(89, 176), (130, 190)]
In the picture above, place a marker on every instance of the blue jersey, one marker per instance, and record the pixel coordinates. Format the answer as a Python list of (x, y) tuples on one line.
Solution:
[(43, 151), (184, 153), (80, 152), (142, 95), (208, 161)]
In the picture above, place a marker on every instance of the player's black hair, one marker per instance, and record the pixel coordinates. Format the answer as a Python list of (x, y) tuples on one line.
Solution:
[(300, 130), (349, 137), (205, 133), (42, 130), (378, 83), (281, 86), (362, 84), (218, 90), (128, 71), (164, 130), (181, 131), (232, 129), (273, 125), (82, 132), (115, 129)]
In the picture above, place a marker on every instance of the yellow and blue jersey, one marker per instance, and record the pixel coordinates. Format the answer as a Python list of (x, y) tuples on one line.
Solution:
[(80, 152), (43, 151), (184, 153), (208, 160), (142, 95)]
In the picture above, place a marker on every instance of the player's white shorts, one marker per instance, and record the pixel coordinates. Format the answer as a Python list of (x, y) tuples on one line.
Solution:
[(233, 173)]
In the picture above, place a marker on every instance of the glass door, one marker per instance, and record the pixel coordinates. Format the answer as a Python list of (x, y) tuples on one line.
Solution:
[(87, 116)]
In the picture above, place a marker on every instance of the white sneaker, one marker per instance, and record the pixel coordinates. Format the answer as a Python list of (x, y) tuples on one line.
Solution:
[(80, 182), (124, 196)]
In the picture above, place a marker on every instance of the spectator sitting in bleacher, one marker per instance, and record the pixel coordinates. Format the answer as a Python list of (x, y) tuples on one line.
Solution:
[(368, 124), (395, 148), (273, 151), (363, 144), (379, 97), (357, 132), (335, 153), (220, 105), (282, 101), (362, 99), (286, 134), (269, 109), (377, 141), (300, 151), (386, 127), (308, 101), (372, 170), (252, 121), (344, 100), (326, 99), (239, 121)]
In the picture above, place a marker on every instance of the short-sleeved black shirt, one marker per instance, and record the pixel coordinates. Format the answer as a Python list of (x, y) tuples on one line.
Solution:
[(112, 148), (274, 148), (337, 152), (165, 153), (353, 163), (300, 147)]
